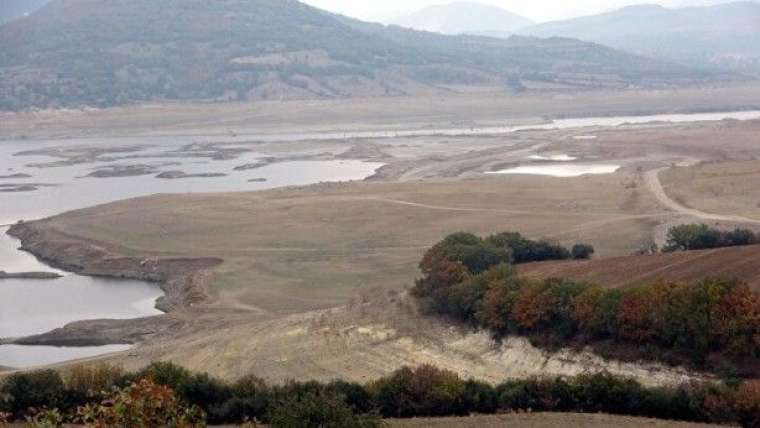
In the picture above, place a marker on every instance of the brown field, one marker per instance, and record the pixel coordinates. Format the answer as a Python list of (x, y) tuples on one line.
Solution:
[(293, 250), (543, 420), (739, 262), (724, 188)]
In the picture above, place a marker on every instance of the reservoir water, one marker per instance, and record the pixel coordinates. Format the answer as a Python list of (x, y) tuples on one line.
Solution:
[(561, 170), (36, 306)]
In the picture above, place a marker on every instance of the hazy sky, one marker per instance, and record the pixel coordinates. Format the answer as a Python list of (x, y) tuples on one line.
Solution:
[(538, 10)]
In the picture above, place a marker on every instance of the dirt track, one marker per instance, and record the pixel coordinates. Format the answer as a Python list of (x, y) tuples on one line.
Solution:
[(654, 184)]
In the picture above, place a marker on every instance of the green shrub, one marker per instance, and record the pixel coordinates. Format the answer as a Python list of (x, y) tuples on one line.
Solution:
[(582, 251), (312, 408), (143, 404), (165, 373), (205, 392), (700, 236), (249, 399), (424, 391), (33, 390)]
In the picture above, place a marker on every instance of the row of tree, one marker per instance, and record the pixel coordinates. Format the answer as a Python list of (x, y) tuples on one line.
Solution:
[(164, 394), (689, 237), (717, 318)]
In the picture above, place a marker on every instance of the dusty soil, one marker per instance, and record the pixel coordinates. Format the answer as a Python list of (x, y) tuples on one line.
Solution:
[(727, 188), (738, 262), (290, 255), (371, 113), (543, 420)]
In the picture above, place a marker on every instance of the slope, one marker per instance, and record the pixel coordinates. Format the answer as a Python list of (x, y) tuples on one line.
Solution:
[(104, 53), (721, 36)]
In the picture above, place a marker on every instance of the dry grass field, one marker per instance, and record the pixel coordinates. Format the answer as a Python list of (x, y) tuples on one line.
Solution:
[(298, 249), (719, 187)]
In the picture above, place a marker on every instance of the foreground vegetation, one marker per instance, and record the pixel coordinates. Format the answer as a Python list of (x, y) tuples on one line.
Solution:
[(713, 323), (164, 394)]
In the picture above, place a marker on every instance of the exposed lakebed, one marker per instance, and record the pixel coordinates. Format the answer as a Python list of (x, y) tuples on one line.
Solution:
[(34, 306), (50, 177)]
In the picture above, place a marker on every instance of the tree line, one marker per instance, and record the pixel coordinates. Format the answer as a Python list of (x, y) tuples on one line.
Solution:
[(710, 323), (690, 237), (164, 394)]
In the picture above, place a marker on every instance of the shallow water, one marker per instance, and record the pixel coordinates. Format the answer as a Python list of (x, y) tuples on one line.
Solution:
[(21, 356), (37, 306), (561, 170), (611, 121), (553, 158)]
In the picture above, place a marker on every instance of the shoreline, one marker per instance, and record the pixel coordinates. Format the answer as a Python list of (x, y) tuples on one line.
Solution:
[(182, 280)]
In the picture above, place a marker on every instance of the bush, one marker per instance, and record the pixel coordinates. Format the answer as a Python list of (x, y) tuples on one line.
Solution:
[(425, 391), (249, 400), (700, 236), (480, 397), (164, 373), (85, 383), (143, 404), (582, 251), (747, 404), (32, 391), (205, 392), (318, 409)]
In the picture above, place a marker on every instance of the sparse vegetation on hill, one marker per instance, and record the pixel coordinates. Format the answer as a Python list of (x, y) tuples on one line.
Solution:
[(105, 53), (470, 279), (167, 395)]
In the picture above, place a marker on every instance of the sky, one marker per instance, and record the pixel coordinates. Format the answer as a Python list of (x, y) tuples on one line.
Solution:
[(537, 10)]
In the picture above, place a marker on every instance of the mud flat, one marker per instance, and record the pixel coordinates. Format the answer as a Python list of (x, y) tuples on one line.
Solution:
[(175, 175), (29, 275)]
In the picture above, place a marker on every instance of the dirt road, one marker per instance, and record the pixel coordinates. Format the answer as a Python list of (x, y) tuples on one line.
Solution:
[(652, 179)]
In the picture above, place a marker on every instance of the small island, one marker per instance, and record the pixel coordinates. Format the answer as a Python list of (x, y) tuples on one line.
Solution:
[(29, 275), (173, 175)]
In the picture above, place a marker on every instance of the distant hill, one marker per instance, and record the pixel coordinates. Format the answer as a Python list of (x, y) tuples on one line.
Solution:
[(722, 36), (464, 18), (111, 52), (14, 9)]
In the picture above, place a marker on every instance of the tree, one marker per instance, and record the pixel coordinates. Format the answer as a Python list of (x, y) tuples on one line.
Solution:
[(143, 404)]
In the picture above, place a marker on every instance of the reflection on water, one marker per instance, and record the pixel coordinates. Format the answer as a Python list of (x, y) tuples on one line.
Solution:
[(553, 158), (561, 170)]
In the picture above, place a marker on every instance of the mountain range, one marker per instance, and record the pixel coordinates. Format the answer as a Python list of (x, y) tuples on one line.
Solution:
[(465, 18), (721, 36), (112, 52)]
